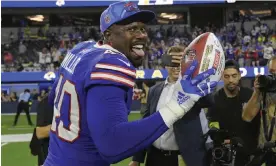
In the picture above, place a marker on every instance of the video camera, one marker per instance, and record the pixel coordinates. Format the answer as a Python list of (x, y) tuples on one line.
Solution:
[(223, 153), (267, 83)]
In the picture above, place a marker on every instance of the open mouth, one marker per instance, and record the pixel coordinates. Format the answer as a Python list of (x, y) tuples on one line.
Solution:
[(138, 50)]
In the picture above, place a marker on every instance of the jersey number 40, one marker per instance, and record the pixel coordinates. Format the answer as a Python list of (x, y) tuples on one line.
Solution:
[(70, 133)]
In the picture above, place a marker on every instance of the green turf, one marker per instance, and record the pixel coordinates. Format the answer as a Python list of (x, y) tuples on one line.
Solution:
[(15, 154), (22, 125)]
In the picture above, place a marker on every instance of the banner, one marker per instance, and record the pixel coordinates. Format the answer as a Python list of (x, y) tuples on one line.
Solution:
[(37, 77), (89, 3)]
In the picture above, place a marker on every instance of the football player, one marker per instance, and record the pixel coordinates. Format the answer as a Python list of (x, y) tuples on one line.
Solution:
[(93, 94)]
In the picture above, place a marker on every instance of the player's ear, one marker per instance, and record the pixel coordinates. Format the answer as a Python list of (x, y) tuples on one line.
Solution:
[(107, 35)]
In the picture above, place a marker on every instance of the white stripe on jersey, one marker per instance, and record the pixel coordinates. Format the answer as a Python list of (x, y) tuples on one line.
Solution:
[(124, 70), (113, 77)]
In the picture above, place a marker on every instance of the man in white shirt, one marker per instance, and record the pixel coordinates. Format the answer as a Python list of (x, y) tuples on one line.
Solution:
[(246, 39), (167, 148), (264, 29)]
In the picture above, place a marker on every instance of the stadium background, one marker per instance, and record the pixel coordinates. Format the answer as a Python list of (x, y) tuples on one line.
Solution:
[(36, 36)]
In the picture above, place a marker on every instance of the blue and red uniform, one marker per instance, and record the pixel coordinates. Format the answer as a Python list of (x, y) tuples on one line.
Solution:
[(92, 99)]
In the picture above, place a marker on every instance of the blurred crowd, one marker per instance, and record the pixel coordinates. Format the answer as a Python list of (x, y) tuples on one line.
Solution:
[(35, 95), (45, 50)]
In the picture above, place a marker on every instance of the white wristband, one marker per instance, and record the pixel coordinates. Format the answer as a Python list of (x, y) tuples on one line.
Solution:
[(172, 112), (168, 116)]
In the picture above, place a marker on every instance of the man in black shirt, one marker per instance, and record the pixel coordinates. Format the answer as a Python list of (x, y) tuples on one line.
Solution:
[(44, 121), (226, 113)]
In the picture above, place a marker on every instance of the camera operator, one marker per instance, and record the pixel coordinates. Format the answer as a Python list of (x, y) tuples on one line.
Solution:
[(253, 107), (226, 113)]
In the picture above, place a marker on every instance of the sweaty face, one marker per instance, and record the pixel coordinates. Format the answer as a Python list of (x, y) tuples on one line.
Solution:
[(131, 40), (231, 78)]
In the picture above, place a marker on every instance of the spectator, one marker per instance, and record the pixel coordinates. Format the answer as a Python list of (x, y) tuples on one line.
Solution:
[(239, 56), (42, 95), (44, 57), (22, 48), (247, 55), (8, 58), (34, 94), (13, 97), (161, 39), (11, 37), (260, 51), (254, 32), (230, 52), (268, 52), (261, 38), (264, 29), (255, 56), (4, 97), (56, 56)]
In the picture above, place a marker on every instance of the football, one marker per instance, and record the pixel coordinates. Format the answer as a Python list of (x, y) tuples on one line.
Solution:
[(207, 50)]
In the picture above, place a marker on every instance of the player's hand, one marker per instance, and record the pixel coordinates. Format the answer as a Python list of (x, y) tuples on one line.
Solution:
[(133, 163), (189, 90), (193, 86), (256, 84)]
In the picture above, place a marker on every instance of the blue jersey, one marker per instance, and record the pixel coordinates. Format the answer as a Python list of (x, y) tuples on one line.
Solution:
[(91, 100), (230, 53)]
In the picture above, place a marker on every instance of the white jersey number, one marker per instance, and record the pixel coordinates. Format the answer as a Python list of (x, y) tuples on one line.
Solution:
[(71, 133)]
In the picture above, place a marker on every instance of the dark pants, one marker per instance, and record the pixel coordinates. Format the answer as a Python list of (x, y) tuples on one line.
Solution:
[(44, 143), (22, 106), (156, 157), (271, 159)]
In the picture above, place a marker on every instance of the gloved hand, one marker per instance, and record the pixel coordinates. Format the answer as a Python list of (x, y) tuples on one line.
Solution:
[(187, 92)]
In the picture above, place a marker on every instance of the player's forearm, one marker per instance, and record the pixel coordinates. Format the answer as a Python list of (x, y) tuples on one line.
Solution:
[(252, 108), (128, 138), (43, 132), (114, 136)]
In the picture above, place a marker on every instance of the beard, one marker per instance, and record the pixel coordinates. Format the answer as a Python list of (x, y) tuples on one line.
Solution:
[(231, 88)]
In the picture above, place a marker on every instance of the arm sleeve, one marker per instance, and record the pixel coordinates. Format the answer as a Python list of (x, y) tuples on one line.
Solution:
[(115, 137), (212, 113), (206, 101), (44, 113), (40, 115)]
